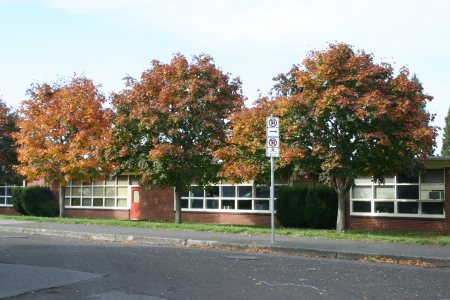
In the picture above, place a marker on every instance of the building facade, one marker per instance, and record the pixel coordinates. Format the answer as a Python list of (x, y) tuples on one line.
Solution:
[(419, 203)]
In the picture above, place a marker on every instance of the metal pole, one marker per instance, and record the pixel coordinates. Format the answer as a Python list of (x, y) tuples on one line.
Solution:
[(272, 201)]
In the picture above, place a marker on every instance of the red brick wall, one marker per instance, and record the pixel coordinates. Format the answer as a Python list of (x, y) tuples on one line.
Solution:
[(157, 204), (228, 218), (403, 224), (8, 211)]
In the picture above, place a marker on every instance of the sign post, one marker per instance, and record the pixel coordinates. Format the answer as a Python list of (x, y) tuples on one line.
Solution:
[(272, 150)]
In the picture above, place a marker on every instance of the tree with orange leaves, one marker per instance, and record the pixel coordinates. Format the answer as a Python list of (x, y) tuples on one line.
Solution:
[(168, 124), (343, 116), (63, 133)]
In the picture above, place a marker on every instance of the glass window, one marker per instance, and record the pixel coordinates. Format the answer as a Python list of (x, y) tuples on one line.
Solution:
[(184, 203), (122, 191), (87, 202), (245, 191), (406, 179), (98, 191), (229, 191), (384, 207), (122, 180), (433, 176), (245, 204), (110, 202), (2, 200), (76, 191), (362, 192), (407, 192), (362, 206), (2, 191), (98, 201), (76, 201), (433, 208), (110, 191), (122, 202), (408, 207), (110, 181), (262, 192), (385, 192), (212, 191), (262, 204), (86, 191), (228, 204), (212, 204), (134, 180), (196, 203), (197, 192)]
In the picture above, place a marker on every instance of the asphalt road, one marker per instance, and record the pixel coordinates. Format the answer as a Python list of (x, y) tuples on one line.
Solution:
[(42, 267)]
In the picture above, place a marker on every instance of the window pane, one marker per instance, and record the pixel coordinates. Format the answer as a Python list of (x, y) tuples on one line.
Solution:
[(110, 202), (433, 208), (99, 182), (8, 200), (76, 191), (362, 192), (212, 204), (407, 192), (67, 201), (76, 201), (122, 180), (185, 194), (98, 191), (122, 202), (68, 191), (228, 204), (384, 207), (2, 200), (262, 192), (433, 176), (122, 191), (134, 180), (261, 204), (196, 203), (110, 191), (111, 181), (363, 180), (87, 202), (245, 204), (405, 179), (385, 192), (245, 191), (362, 206), (184, 203), (408, 207), (87, 191), (197, 192), (98, 201), (8, 191), (2, 191), (229, 191), (212, 191)]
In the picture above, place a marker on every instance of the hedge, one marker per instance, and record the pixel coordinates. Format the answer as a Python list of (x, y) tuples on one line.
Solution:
[(34, 201), (307, 206)]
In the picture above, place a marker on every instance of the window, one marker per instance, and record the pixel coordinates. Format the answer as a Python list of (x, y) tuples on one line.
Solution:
[(109, 193), (228, 196), (5, 194), (417, 196)]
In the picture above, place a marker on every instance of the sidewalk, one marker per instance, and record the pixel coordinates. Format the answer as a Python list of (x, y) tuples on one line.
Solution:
[(342, 249)]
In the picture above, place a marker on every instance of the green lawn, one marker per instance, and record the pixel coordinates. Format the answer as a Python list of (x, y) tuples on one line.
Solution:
[(423, 238)]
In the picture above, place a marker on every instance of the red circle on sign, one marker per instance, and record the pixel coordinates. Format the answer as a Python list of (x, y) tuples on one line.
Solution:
[(273, 122), (273, 142)]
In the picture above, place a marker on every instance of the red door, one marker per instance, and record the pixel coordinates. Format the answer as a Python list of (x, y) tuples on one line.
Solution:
[(135, 204)]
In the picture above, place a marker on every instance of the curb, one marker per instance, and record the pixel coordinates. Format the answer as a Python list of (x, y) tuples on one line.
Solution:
[(442, 262)]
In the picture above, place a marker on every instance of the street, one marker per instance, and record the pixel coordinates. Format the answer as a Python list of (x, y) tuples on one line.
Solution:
[(41, 267)]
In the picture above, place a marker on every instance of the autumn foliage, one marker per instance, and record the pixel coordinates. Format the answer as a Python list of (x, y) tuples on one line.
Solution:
[(344, 116), (8, 147), (169, 123), (63, 133)]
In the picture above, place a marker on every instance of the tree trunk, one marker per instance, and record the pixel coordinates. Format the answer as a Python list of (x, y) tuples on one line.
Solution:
[(62, 197), (342, 188), (178, 193)]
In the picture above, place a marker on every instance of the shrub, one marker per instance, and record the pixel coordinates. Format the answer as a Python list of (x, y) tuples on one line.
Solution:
[(36, 201), (321, 207), (290, 204), (16, 197)]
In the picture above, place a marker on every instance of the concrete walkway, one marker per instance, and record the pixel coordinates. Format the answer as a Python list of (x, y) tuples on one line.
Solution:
[(342, 249)]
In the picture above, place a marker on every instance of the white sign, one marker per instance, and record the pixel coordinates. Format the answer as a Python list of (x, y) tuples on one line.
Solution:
[(273, 137)]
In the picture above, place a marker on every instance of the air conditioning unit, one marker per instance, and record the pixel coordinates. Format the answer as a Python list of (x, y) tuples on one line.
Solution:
[(436, 195)]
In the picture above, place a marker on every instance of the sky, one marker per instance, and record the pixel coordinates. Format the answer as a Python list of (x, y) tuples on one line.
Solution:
[(105, 40)]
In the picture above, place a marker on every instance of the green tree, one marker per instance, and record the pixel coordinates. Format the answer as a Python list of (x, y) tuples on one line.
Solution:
[(446, 138), (8, 147), (63, 133), (168, 124), (342, 115)]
